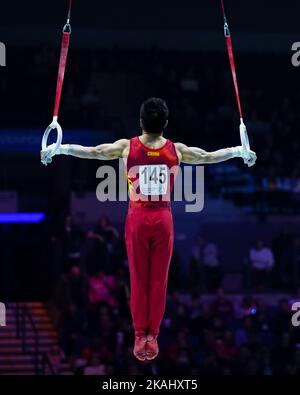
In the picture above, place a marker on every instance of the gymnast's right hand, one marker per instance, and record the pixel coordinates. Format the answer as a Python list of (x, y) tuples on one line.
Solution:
[(46, 155)]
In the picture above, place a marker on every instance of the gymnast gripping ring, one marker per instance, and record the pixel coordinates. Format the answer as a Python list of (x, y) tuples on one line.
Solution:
[(53, 125), (244, 138)]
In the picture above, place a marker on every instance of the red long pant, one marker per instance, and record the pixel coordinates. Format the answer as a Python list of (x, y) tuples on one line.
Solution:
[(149, 236)]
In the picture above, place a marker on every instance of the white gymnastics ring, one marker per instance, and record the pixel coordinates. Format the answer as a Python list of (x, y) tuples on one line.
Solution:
[(53, 125), (244, 138)]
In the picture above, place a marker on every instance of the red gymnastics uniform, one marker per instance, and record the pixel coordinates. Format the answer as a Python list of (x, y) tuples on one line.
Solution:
[(149, 231)]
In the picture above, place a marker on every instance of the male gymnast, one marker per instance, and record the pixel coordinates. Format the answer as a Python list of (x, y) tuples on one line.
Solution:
[(150, 161)]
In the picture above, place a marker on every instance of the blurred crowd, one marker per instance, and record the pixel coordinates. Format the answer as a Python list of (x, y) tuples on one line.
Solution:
[(197, 337), (266, 265), (204, 331)]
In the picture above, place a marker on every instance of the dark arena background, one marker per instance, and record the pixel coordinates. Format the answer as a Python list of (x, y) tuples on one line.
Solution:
[(234, 279)]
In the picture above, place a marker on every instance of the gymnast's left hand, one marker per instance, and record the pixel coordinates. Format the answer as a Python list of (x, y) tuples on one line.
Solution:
[(249, 158), (47, 154)]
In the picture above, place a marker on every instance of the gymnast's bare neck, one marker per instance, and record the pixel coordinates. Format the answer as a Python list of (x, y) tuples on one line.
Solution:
[(152, 140)]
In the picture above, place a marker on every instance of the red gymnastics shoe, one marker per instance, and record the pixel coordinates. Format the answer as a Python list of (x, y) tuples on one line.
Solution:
[(152, 349), (139, 350)]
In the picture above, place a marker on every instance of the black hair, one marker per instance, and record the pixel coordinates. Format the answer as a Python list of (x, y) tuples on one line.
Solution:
[(154, 114)]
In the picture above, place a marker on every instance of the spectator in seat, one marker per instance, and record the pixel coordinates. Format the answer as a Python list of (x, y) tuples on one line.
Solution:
[(102, 240), (244, 332), (56, 357), (68, 241), (283, 354), (96, 255), (225, 348), (222, 307), (71, 299), (206, 254), (211, 365), (107, 231), (94, 366), (179, 351), (249, 306), (102, 289), (262, 263)]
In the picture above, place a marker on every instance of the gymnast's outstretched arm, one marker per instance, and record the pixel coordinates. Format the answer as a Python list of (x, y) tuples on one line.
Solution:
[(197, 156), (102, 151)]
